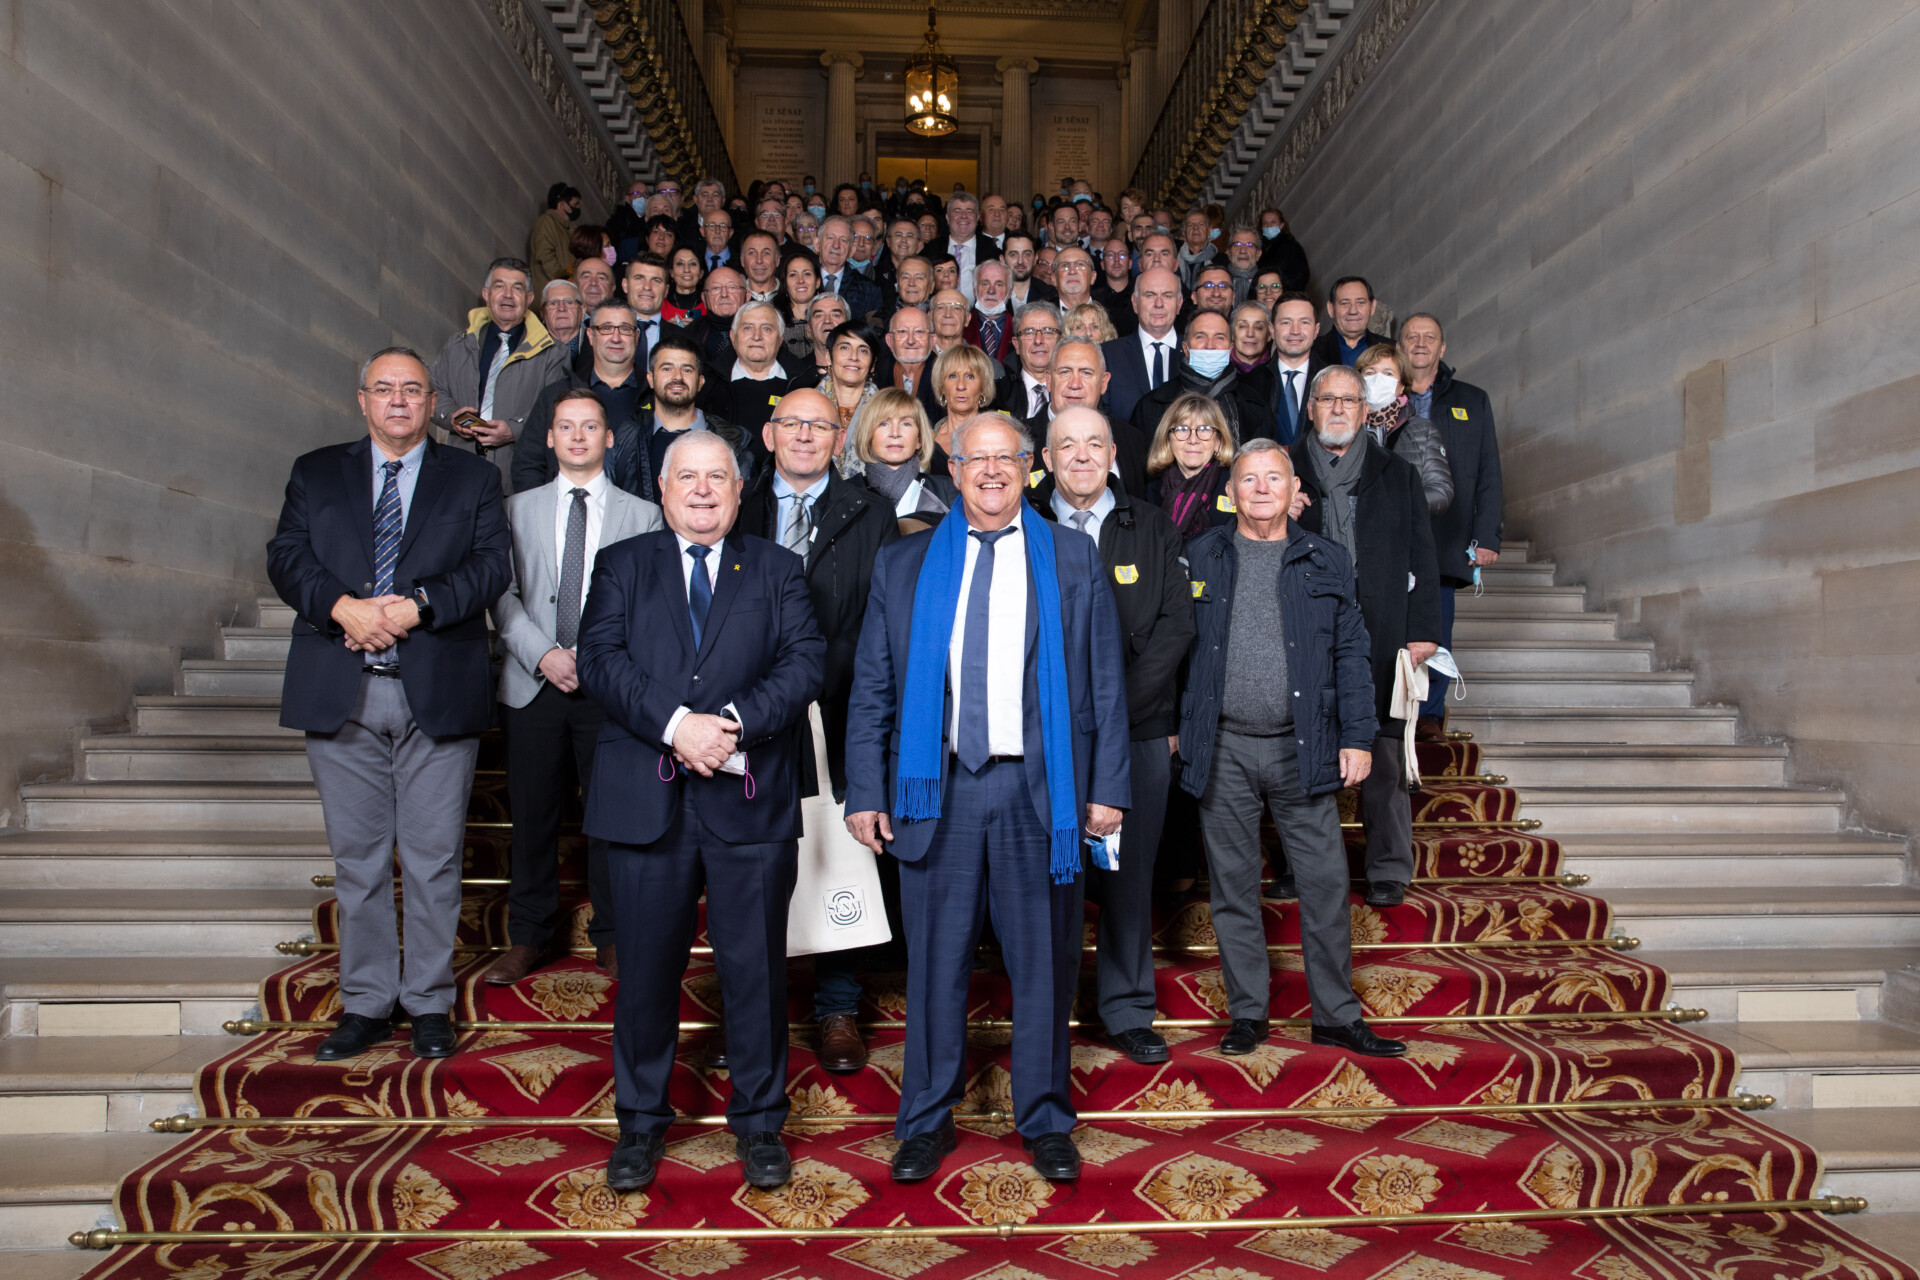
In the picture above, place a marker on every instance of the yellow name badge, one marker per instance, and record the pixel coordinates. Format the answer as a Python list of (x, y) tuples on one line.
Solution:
[(1125, 573), (1034, 478), (773, 399), (1199, 589), (1460, 414), (1225, 503)]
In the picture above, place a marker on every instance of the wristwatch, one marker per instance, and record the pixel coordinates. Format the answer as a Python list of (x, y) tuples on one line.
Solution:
[(426, 608)]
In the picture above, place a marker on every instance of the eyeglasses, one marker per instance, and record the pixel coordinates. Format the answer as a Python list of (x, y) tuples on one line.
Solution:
[(804, 426), (668, 191), (979, 460), (406, 391), (1345, 402), (1038, 331), (1216, 287), (609, 330), (1199, 431)]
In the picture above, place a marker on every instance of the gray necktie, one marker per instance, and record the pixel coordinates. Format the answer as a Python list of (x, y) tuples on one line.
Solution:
[(573, 571), (799, 528), (501, 355), (1081, 520)]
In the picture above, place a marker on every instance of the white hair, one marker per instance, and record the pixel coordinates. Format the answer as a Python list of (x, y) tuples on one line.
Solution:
[(694, 438), (982, 419), (779, 321)]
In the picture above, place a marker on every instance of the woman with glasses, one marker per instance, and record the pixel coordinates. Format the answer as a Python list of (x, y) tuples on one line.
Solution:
[(891, 447), (1190, 464), (685, 275), (1090, 321), (852, 348), (962, 384), (806, 229)]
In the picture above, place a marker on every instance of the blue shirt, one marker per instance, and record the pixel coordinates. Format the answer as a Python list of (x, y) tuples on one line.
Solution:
[(1422, 402), (409, 477), (1348, 355), (785, 495)]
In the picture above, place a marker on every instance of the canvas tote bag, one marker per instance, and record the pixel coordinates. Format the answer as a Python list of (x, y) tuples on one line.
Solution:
[(836, 896)]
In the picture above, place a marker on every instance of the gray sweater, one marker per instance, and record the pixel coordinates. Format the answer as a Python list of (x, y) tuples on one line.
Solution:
[(1257, 696)]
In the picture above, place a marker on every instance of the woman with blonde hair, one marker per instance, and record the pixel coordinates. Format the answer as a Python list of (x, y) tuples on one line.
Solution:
[(1090, 320), (1190, 465), (963, 386), (891, 448)]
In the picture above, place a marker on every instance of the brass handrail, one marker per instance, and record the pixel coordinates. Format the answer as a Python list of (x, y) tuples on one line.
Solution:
[(107, 1238), (1735, 1102)]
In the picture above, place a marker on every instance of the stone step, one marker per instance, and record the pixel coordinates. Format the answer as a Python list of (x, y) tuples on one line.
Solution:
[(154, 757), (1611, 810), (1525, 598), (52, 1185), (1824, 1065), (153, 922), (64, 1263), (110, 996), (1573, 689), (1764, 985), (1897, 1233), (219, 678), (243, 644), (1523, 573), (1555, 764), (1492, 654), (173, 714), (1735, 917), (275, 616), (194, 806), (1710, 859), (99, 1084), (1866, 1151), (1488, 623), (1495, 726), (236, 859), (1516, 551)]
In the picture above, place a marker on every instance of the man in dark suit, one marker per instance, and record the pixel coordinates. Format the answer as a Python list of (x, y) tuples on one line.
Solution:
[(701, 646), (990, 323), (962, 243), (389, 550), (1017, 639), (1018, 253), (1350, 304), (863, 296), (1143, 361)]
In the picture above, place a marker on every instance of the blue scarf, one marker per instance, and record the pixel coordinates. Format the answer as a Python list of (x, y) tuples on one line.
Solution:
[(936, 599)]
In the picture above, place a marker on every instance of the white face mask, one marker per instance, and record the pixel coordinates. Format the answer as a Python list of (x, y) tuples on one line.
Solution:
[(1382, 390)]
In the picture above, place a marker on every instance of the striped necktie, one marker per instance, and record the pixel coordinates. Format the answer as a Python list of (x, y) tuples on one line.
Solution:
[(388, 520)]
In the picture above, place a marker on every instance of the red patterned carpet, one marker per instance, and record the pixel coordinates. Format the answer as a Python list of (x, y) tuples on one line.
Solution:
[(1365, 1142)]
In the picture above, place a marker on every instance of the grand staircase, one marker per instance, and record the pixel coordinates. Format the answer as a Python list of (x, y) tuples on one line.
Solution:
[(141, 904)]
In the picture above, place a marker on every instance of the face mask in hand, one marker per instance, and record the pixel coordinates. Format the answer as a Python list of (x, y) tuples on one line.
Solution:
[(1382, 390), (1208, 364)]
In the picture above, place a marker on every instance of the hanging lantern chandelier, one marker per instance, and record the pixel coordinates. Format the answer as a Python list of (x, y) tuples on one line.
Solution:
[(933, 88)]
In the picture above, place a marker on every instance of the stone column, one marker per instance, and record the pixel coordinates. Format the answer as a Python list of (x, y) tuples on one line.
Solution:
[(1172, 35), (1013, 175), (718, 70), (842, 160), (1143, 107)]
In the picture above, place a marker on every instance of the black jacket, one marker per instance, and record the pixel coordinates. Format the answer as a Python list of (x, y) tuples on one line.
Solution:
[(1397, 582), (630, 461), (1142, 554), (1326, 656), (455, 545), (851, 524), (1465, 418), (534, 463), (1284, 254), (1245, 403), (1325, 352)]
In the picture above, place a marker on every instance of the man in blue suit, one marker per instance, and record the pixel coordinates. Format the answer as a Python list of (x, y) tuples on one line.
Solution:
[(1144, 360), (701, 646), (1006, 623)]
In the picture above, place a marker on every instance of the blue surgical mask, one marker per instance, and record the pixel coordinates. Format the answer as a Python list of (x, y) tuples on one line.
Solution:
[(639, 206), (817, 210), (809, 188), (1083, 198), (860, 264), (866, 184), (1213, 234), (1269, 233), (1208, 364)]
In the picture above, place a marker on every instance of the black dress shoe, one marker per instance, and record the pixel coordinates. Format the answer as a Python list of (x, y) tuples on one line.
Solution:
[(356, 1034), (635, 1161), (1142, 1044), (1386, 893), (919, 1156), (1244, 1036), (1055, 1158), (714, 1056), (1358, 1037), (433, 1036), (1281, 889), (765, 1156)]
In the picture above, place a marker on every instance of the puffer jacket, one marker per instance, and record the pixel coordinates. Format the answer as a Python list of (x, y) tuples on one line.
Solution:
[(1418, 441)]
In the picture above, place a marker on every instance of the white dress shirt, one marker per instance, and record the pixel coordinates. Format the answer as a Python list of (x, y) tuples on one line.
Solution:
[(1035, 387), (596, 520), (743, 374), (736, 762), (1102, 507), (1006, 643), (966, 256), (1168, 344)]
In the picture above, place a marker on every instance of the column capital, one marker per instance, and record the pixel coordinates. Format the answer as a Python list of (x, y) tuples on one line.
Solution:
[(1122, 72), (854, 60), (1011, 63)]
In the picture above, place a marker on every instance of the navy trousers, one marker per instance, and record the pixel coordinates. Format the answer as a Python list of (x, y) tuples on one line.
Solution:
[(990, 853), (656, 893)]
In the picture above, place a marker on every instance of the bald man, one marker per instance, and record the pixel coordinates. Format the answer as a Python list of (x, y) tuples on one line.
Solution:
[(1143, 361)]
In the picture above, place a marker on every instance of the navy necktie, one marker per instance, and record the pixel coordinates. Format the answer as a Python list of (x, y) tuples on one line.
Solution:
[(699, 592), (1159, 365), (388, 520), (973, 657), (1287, 398)]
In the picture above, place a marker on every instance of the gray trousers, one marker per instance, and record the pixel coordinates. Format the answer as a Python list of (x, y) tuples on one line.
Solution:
[(1249, 773), (1386, 810), (1123, 964), (382, 781)]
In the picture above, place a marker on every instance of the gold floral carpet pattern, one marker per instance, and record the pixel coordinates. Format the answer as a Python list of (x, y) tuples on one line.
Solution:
[(1171, 1166)]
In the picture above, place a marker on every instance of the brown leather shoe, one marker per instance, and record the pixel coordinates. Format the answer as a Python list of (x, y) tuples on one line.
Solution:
[(603, 958), (516, 964), (1429, 729), (714, 1056), (841, 1048)]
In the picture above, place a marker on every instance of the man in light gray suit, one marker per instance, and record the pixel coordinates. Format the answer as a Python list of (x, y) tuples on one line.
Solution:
[(557, 530)]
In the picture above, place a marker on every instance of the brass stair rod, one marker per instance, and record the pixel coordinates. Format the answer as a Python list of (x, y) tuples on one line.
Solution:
[(302, 947), (1737, 1102), (258, 1026), (1566, 879), (104, 1238), (1435, 824)]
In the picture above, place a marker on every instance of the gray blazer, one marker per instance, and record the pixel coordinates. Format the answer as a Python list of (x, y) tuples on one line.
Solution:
[(525, 614)]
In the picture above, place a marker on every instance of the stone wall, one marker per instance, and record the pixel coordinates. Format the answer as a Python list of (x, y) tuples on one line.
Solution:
[(210, 212), (1679, 243)]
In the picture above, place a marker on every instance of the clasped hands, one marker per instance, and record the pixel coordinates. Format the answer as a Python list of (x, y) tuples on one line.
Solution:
[(377, 622), (702, 743)]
